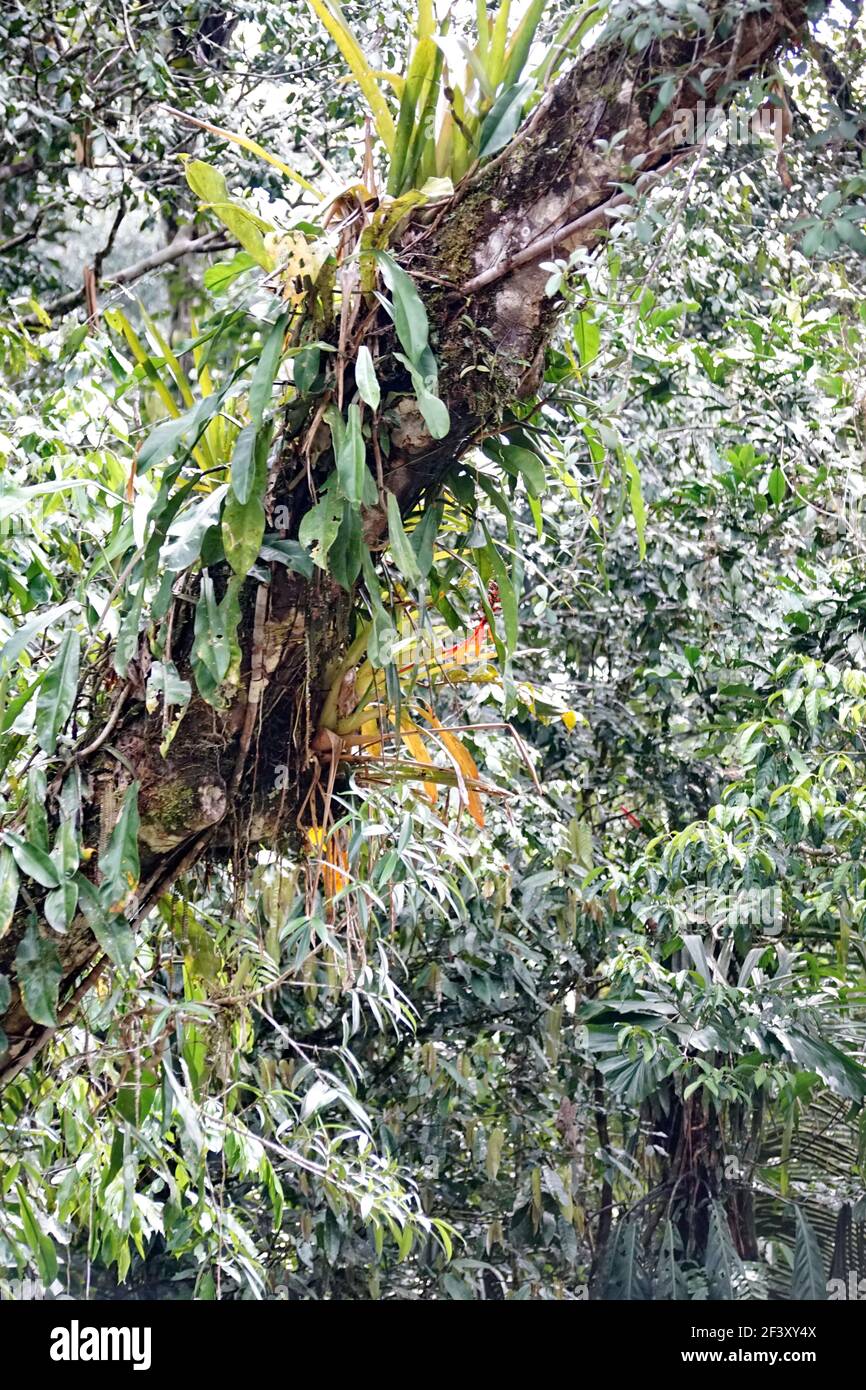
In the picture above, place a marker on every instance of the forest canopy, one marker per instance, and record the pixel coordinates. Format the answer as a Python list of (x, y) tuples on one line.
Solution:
[(432, 651)]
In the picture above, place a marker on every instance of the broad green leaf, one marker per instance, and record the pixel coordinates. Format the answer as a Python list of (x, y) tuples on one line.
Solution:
[(8, 888), (659, 317), (345, 554), (433, 410), (118, 862), (168, 437), (219, 277), (320, 525), (66, 851), (777, 485), (423, 536), (211, 644), (244, 464), (186, 533), (410, 316), (503, 118), (265, 374), (305, 367), (164, 682), (351, 458), (287, 552), (383, 634), (404, 556), (56, 697), (112, 931), (243, 527), (37, 815), (587, 337), (507, 595), (33, 861), (523, 462), (40, 1243), (39, 971), (366, 379), (247, 228), (206, 182), (495, 1141), (60, 905)]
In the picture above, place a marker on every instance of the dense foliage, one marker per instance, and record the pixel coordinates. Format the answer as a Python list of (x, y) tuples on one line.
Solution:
[(551, 984)]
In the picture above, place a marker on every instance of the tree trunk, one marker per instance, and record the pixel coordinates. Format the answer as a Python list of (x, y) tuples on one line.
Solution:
[(478, 267)]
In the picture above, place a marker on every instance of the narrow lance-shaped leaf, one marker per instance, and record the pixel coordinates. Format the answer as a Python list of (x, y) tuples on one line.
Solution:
[(808, 1280), (254, 148), (638, 507), (331, 16), (423, 60), (503, 119), (383, 634), (12, 649), (520, 43), (507, 594), (40, 1243), (56, 696)]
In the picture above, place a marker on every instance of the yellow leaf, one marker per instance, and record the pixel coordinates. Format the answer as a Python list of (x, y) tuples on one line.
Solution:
[(464, 766), (246, 144), (293, 255), (394, 80), (332, 852), (331, 16), (569, 719), (414, 742), (369, 730)]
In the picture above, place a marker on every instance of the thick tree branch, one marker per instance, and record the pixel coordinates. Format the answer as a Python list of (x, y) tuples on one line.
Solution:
[(184, 246)]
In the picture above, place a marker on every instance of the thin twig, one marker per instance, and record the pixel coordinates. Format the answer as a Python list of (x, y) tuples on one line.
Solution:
[(545, 245)]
